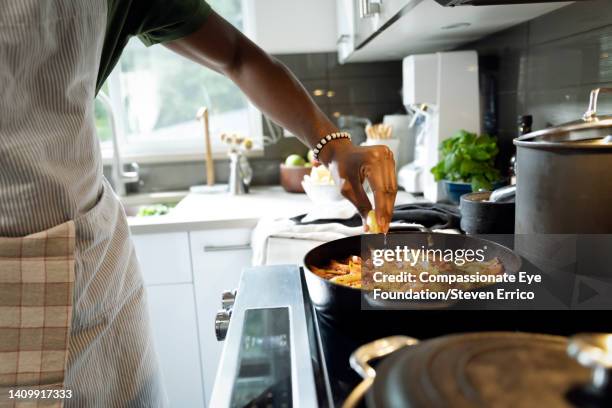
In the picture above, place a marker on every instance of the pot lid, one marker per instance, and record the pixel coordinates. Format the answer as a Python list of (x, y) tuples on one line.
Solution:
[(591, 132), (479, 369)]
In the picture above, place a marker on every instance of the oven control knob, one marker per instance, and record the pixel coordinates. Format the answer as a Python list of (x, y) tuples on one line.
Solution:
[(222, 320), (227, 299)]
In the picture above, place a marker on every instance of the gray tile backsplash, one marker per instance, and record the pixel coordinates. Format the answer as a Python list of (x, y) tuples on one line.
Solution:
[(370, 89), (547, 67)]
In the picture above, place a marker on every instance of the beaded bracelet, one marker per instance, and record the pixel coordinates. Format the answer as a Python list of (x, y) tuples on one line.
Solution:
[(329, 138)]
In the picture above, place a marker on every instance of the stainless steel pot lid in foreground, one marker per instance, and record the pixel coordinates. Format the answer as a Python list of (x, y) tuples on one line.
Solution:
[(485, 370), (590, 132)]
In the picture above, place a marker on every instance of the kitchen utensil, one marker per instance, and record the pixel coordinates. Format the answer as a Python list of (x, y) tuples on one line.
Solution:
[(469, 370), (210, 168), (291, 177), (342, 304), (379, 131), (481, 215), (564, 183)]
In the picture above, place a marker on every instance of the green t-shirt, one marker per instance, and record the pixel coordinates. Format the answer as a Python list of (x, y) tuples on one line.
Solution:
[(153, 21)]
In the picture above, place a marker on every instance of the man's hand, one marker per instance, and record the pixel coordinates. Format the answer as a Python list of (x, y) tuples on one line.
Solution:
[(351, 165)]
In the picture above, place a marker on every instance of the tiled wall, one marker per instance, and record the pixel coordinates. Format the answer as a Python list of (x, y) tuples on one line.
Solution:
[(370, 90), (546, 67)]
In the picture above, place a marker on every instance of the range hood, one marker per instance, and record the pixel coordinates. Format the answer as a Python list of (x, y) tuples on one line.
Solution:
[(397, 28), (452, 3)]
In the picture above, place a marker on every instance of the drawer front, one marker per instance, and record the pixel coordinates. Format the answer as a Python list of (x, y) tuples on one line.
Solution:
[(164, 258)]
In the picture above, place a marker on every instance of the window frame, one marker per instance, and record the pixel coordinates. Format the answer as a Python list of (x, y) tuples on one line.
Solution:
[(182, 149)]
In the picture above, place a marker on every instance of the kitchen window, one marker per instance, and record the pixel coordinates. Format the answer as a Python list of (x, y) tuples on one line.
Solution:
[(155, 95)]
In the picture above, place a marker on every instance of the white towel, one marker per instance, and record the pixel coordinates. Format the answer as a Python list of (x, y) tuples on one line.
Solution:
[(285, 228)]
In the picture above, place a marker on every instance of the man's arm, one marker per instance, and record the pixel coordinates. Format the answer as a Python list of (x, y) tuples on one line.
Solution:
[(276, 92)]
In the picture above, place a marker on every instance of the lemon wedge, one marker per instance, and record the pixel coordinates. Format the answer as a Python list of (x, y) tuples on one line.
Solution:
[(373, 226)]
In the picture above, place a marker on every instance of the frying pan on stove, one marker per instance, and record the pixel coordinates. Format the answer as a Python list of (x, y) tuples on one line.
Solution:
[(343, 304)]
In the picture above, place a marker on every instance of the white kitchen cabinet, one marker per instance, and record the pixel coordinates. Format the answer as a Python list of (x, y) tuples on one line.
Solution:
[(291, 26), (165, 263), (218, 257), (164, 258), (173, 321)]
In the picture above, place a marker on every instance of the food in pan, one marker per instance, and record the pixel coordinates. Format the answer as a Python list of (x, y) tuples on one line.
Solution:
[(347, 273), (431, 274)]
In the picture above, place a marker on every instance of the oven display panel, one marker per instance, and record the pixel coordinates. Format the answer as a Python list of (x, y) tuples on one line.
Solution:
[(264, 360)]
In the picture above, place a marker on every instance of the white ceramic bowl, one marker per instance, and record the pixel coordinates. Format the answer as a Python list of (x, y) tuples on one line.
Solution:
[(321, 193)]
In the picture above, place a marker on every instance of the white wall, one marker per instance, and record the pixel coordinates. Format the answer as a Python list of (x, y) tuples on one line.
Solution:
[(291, 26)]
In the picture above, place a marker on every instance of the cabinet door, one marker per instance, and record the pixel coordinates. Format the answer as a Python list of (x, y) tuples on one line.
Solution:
[(175, 334), (163, 258), (218, 258)]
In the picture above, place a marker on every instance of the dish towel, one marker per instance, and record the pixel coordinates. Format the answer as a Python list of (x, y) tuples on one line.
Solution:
[(288, 228), (434, 216)]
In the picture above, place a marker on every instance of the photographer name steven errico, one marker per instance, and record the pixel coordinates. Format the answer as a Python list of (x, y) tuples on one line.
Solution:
[(422, 273), (453, 293)]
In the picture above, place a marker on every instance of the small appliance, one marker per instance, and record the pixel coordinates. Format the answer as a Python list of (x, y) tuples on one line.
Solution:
[(440, 91)]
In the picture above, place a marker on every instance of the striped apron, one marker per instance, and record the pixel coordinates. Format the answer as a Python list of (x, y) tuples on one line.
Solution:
[(73, 312)]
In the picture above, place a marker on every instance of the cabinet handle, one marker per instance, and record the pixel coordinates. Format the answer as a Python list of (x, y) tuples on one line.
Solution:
[(220, 248), (368, 8)]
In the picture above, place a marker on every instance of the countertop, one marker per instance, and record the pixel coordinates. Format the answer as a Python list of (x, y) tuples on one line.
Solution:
[(221, 210)]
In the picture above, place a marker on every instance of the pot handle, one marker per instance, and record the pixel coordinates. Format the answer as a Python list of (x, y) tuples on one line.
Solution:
[(360, 362), (594, 350), (591, 113)]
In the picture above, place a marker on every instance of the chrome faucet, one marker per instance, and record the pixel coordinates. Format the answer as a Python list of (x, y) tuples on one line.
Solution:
[(119, 176)]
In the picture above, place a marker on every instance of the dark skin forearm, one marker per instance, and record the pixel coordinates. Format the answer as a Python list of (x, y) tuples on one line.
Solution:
[(277, 93)]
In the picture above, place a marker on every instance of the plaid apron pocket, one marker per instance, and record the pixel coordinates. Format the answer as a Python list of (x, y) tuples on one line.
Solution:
[(36, 282)]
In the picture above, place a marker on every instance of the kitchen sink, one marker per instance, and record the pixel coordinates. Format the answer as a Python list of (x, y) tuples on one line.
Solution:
[(135, 204)]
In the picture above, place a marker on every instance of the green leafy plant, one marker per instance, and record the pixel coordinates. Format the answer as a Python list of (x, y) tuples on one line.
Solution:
[(467, 157)]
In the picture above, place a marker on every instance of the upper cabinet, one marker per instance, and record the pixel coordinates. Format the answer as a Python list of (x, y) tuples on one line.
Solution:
[(372, 30), (291, 26)]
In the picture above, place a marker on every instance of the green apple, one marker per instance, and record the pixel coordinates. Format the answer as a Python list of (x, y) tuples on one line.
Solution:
[(295, 160), (310, 156)]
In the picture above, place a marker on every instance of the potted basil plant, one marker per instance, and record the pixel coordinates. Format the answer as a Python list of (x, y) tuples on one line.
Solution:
[(467, 164)]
